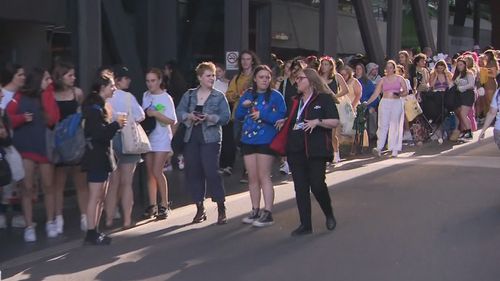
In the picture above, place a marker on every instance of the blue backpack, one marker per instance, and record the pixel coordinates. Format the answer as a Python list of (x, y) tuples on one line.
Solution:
[(69, 139)]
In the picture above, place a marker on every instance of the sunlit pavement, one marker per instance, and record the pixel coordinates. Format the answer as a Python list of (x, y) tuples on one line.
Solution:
[(432, 214)]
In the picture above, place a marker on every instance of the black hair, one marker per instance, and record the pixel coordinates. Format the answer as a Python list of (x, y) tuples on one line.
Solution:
[(8, 72), (94, 97), (32, 86)]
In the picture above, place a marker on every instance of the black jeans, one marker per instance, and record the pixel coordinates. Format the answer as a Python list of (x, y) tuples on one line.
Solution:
[(228, 151), (201, 165), (309, 176)]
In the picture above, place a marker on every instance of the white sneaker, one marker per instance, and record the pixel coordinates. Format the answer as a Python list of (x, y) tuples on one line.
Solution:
[(117, 214), (3, 222), (180, 162), (336, 157), (284, 168), (29, 234), (18, 221), (394, 154), (83, 222), (376, 152), (51, 229), (59, 224)]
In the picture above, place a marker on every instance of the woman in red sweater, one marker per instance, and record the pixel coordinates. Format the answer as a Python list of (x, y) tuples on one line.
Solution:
[(33, 111)]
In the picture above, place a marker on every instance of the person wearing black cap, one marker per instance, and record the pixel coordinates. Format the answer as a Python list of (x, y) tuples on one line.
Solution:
[(121, 178)]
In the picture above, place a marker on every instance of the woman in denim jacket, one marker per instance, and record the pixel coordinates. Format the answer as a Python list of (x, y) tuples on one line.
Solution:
[(208, 111)]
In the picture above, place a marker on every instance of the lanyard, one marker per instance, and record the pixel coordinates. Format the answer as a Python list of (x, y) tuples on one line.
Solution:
[(302, 107)]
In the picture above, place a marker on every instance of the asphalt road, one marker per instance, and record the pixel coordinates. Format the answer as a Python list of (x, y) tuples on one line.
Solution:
[(433, 214)]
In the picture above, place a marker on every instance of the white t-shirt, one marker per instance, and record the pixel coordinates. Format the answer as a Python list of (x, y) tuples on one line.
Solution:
[(496, 104), (7, 97), (221, 86), (121, 101), (161, 137)]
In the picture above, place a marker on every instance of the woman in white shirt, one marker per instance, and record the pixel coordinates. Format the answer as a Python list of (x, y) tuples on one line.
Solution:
[(122, 178), (157, 103), (494, 111), (464, 80)]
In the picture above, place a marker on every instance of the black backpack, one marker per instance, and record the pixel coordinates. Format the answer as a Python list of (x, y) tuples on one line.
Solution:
[(5, 172)]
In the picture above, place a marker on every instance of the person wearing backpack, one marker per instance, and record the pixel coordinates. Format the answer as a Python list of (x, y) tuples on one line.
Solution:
[(98, 160), (33, 111), (120, 184), (69, 99)]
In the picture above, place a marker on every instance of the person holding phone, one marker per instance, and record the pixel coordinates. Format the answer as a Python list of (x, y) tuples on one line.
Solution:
[(208, 111), (390, 110)]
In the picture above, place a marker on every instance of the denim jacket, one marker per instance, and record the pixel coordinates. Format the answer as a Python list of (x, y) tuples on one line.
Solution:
[(216, 108)]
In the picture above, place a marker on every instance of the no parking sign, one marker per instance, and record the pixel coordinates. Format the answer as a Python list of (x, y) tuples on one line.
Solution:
[(232, 60)]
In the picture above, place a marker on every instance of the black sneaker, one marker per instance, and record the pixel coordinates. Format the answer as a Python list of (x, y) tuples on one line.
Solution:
[(162, 212), (150, 212), (253, 216), (468, 135), (266, 219)]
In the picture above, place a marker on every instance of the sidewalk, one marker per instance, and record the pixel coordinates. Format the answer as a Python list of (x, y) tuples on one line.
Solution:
[(12, 245)]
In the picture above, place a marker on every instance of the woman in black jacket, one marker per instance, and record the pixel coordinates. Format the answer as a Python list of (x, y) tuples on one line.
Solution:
[(312, 118), (98, 160)]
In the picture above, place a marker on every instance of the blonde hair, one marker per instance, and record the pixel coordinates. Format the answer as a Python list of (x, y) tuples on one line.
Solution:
[(317, 83), (204, 66)]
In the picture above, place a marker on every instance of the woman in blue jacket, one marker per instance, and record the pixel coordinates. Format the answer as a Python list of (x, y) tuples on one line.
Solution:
[(259, 109)]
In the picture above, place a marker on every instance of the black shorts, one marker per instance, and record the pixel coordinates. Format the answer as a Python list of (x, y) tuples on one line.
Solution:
[(467, 98), (248, 149), (97, 176)]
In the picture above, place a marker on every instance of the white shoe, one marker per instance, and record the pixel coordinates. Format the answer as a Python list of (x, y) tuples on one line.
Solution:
[(336, 157), (284, 168), (3, 222), (59, 224), (394, 153), (376, 152), (83, 222), (180, 162), (29, 234), (51, 229), (117, 215), (18, 221)]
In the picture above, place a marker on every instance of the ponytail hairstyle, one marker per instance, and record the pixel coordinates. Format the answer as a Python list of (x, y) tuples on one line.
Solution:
[(94, 97), (267, 94)]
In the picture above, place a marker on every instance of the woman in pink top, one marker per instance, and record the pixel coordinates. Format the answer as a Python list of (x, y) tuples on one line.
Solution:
[(390, 110)]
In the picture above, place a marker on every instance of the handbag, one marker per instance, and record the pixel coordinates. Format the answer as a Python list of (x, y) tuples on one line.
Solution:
[(133, 137), (5, 171), (346, 116), (15, 162), (281, 139), (178, 138), (412, 108)]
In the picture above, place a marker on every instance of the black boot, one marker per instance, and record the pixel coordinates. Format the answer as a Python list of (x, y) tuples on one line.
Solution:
[(221, 208), (302, 230), (201, 214), (330, 222), (95, 238)]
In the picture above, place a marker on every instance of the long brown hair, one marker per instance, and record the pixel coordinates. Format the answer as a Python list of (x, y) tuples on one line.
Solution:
[(331, 75), (317, 83)]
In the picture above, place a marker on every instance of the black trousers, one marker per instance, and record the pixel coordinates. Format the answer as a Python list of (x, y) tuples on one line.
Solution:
[(228, 151), (309, 176)]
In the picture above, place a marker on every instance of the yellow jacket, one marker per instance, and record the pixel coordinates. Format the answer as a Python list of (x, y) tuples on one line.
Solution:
[(237, 86)]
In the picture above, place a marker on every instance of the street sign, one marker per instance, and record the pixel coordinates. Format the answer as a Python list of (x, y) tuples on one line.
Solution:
[(232, 60)]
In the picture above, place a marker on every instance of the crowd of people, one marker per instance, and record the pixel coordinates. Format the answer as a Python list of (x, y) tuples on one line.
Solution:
[(298, 111)]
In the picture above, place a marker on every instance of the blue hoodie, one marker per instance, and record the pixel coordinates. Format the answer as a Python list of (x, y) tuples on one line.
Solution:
[(260, 131)]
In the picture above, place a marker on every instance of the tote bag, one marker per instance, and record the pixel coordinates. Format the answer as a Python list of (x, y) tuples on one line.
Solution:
[(281, 139), (412, 108), (15, 162), (134, 138)]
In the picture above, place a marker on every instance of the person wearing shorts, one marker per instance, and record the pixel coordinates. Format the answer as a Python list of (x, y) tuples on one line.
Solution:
[(259, 108)]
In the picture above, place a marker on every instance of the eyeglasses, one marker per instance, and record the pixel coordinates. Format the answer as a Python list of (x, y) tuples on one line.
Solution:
[(300, 78)]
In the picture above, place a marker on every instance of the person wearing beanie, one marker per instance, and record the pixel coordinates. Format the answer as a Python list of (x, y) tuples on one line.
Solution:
[(372, 72)]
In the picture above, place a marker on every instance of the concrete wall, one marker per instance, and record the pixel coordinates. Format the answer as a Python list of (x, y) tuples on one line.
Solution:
[(24, 43)]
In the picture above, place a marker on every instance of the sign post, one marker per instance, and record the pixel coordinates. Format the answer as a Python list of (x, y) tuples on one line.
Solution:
[(232, 60)]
